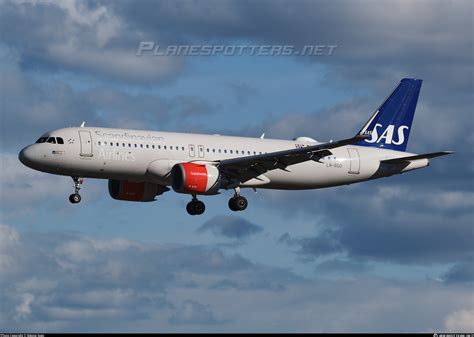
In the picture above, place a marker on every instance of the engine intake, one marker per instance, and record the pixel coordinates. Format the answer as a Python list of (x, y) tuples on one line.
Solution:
[(193, 178), (132, 191)]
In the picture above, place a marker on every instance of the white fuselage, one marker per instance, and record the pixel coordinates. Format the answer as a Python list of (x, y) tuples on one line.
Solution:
[(148, 156)]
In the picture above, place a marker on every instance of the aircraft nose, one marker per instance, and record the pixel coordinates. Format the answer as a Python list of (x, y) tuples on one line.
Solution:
[(26, 156)]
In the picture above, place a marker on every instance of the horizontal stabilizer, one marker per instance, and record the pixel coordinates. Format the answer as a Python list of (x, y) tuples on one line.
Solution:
[(419, 156)]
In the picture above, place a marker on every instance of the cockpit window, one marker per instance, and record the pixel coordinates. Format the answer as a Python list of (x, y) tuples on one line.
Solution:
[(41, 140), (59, 140), (51, 140)]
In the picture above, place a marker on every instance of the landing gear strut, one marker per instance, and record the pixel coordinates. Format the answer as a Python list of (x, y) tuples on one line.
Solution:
[(75, 197), (238, 202), (195, 207)]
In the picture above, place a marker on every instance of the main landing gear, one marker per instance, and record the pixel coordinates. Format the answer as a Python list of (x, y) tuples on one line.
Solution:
[(75, 197), (238, 202), (195, 207)]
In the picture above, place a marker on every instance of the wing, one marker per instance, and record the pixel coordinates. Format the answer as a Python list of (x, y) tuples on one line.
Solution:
[(246, 168)]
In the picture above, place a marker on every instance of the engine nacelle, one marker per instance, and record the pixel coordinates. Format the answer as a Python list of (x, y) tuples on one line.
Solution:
[(193, 178), (305, 139), (132, 191)]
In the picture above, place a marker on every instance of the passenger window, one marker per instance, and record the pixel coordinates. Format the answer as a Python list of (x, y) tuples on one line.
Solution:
[(141, 145), (164, 147), (182, 148), (60, 140), (51, 140), (230, 151), (153, 146), (147, 146), (159, 147)]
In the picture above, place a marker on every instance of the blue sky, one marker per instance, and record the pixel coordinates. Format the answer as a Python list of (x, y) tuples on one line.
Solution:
[(350, 258)]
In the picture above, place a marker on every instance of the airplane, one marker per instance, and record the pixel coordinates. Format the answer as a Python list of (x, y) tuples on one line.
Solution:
[(141, 165)]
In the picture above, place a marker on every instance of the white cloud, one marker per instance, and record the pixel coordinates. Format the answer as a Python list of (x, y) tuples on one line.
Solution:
[(8, 239), (404, 212), (192, 312), (452, 199), (76, 251), (116, 63), (22, 189), (120, 284), (23, 309), (8, 236), (92, 39), (460, 321)]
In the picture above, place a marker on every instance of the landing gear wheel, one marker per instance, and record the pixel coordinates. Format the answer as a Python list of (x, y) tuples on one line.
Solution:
[(190, 208), (238, 203), (241, 203), (195, 207), (232, 204), (75, 198), (199, 207)]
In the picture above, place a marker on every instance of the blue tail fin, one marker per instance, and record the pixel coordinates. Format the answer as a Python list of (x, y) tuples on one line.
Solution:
[(389, 127)]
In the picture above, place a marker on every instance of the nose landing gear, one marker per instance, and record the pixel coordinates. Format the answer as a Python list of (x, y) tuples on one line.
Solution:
[(195, 207), (238, 202), (75, 197)]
